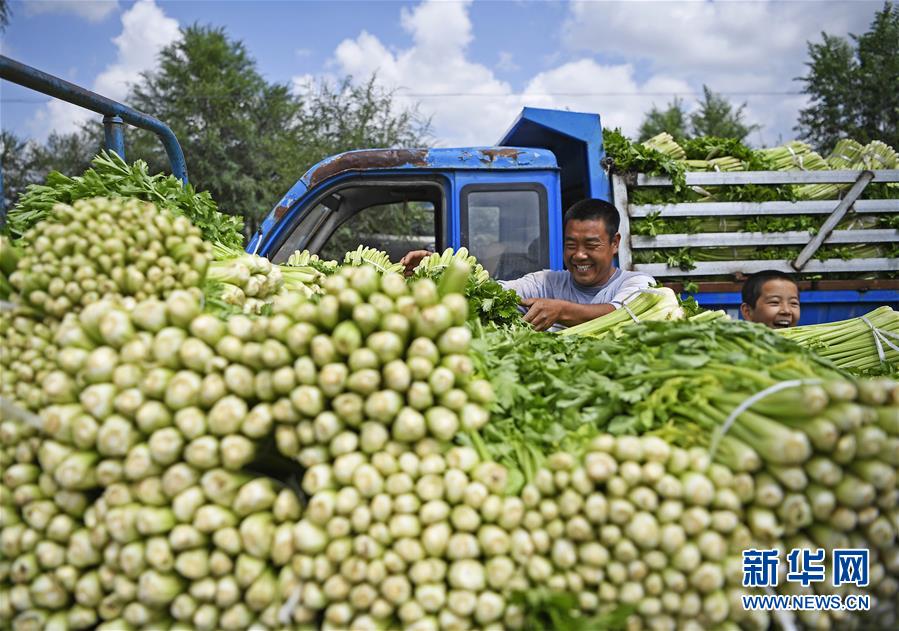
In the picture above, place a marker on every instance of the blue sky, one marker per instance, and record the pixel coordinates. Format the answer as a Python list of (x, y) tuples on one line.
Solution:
[(471, 66)]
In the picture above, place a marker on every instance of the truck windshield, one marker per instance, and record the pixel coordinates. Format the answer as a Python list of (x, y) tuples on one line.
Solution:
[(388, 214), (391, 228), (506, 229)]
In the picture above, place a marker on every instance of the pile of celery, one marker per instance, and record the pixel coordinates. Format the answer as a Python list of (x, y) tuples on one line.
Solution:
[(866, 344)]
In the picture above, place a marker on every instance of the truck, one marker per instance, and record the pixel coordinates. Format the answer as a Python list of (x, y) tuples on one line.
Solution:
[(505, 204)]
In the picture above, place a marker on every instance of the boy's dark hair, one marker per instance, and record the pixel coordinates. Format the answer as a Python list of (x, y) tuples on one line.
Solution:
[(752, 288), (590, 209)]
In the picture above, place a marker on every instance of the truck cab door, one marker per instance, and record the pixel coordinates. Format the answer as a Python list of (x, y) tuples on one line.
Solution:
[(507, 224), (392, 213)]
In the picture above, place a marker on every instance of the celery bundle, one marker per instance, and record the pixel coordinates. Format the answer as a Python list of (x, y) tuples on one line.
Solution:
[(650, 304), (864, 344)]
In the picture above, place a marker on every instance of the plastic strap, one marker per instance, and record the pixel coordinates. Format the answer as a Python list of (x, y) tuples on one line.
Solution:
[(7, 306), (630, 313), (285, 614), (11, 410), (752, 400), (797, 159), (880, 338), (785, 617)]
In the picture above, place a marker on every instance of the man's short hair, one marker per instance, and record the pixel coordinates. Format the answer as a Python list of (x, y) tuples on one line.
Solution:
[(752, 288), (592, 209)]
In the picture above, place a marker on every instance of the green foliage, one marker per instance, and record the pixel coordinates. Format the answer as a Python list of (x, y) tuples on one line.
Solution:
[(717, 117), (852, 85), (237, 130), (27, 162), (5, 14), (110, 176), (555, 393), (709, 147), (560, 611), (629, 157), (672, 120), (247, 140)]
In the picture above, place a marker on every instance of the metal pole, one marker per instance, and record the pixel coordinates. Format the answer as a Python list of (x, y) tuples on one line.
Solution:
[(17, 72), (113, 128)]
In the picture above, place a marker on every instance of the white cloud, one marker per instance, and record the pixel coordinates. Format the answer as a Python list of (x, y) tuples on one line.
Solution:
[(434, 67), (751, 51), (468, 103), (620, 59), (506, 62), (91, 10), (146, 30)]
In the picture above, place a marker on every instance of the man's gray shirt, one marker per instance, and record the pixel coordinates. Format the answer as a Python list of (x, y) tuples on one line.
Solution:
[(559, 285)]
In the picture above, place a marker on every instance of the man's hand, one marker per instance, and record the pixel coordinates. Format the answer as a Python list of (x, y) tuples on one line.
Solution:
[(543, 312), (412, 259)]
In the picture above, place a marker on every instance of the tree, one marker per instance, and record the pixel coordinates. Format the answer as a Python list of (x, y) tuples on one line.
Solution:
[(246, 140), (714, 116), (235, 128), (17, 160), (5, 14), (344, 116), (852, 85), (717, 117), (672, 120), (27, 162)]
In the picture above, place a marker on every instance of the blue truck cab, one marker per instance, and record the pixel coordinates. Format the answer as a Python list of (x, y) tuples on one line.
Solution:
[(503, 203)]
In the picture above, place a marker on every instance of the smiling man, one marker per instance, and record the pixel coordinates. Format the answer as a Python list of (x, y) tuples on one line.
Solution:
[(591, 286), (771, 298)]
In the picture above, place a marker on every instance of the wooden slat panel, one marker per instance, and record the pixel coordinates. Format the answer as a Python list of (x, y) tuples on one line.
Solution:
[(743, 209), (727, 239), (828, 266), (769, 177)]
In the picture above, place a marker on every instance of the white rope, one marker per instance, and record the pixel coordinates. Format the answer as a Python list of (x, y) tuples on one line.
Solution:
[(797, 158), (645, 290), (752, 400), (9, 409), (880, 338), (785, 617), (630, 313), (285, 614)]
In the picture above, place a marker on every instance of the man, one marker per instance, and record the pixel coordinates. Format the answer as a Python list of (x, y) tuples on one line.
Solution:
[(590, 287), (771, 298)]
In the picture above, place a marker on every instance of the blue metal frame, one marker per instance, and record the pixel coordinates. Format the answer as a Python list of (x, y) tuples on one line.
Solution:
[(575, 138), (115, 113)]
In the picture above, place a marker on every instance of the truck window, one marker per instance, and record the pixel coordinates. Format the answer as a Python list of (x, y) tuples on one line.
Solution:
[(392, 228), (298, 239), (506, 230), (393, 215)]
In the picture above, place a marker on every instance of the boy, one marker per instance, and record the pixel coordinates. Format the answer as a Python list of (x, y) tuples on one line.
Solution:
[(771, 298)]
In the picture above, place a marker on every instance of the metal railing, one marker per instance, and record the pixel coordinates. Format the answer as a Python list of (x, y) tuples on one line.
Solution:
[(115, 114), (836, 210)]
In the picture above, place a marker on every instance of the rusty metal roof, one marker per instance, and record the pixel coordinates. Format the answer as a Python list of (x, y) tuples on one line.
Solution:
[(467, 158)]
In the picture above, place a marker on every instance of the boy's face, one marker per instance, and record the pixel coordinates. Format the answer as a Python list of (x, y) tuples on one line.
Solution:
[(777, 306)]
